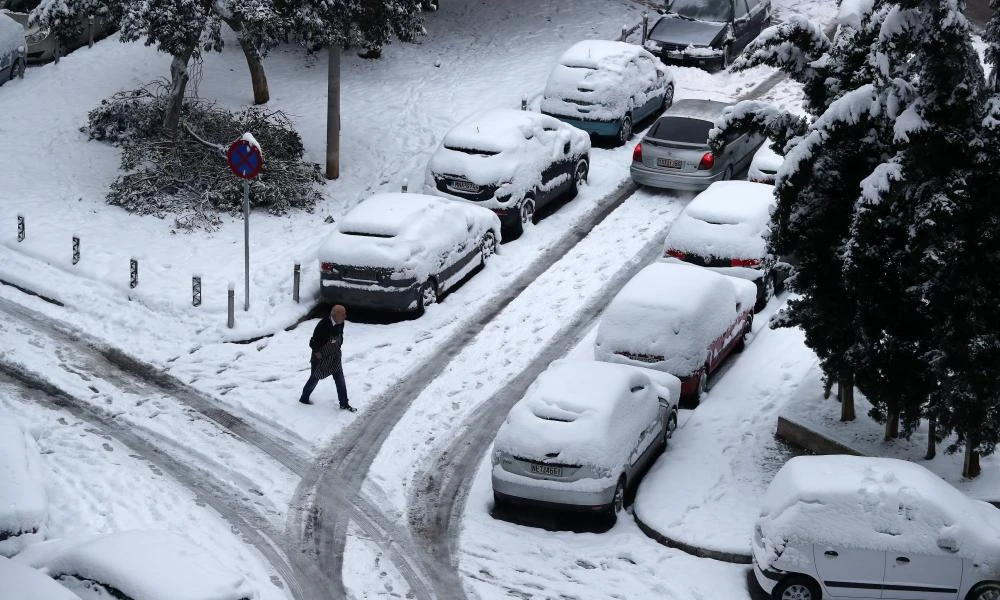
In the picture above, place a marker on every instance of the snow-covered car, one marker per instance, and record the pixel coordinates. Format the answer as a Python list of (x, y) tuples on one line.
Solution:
[(582, 435), (765, 164), (400, 252), (677, 318), (42, 46), (858, 527), (13, 49), (23, 503), (513, 162), (725, 229), (675, 154), (707, 33), (19, 581), (604, 87), (137, 565)]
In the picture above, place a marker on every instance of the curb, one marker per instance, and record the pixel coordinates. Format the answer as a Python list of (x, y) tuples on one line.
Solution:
[(802, 437), (729, 557)]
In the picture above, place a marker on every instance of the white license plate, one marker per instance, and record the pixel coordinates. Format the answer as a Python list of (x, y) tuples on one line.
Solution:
[(670, 163), (465, 186), (547, 470)]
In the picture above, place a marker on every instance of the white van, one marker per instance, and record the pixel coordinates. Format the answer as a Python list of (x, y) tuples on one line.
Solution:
[(834, 527), (13, 49)]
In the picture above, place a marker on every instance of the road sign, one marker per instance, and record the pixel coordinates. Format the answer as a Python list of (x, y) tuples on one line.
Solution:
[(244, 159)]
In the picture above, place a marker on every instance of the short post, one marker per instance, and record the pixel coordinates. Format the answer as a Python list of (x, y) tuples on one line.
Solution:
[(20, 228), (133, 267), (76, 250), (58, 49), (645, 26), (232, 305), (90, 31), (524, 103), (296, 280), (196, 290), (406, 184), (624, 32)]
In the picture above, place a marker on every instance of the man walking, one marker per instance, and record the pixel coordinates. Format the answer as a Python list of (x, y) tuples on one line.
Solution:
[(326, 343)]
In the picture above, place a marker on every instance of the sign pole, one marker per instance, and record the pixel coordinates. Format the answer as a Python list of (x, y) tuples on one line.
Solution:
[(246, 244), (245, 161)]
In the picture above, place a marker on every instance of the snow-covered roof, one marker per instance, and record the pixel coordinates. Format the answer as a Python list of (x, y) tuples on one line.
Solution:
[(874, 503), (585, 411), (708, 110), (497, 130), (389, 214), (145, 565), (733, 202), (21, 582), (23, 504), (600, 54), (727, 220)]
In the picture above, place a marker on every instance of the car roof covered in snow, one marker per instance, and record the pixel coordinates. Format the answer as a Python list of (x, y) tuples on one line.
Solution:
[(600, 54), (20, 582), (875, 503), (708, 110), (733, 202), (391, 214), (497, 130), (144, 565), (11, 35), (23, 504), (587, 411), (727, 220)]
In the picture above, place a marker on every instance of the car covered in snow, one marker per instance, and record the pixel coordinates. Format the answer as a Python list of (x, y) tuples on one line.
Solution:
[(725, 229), (582, 435), (21, 582), (137, 565), (765, 164), (859, 527), (604, 87), (13, 49), (677, 318), (513, 162), (23, 503), (41, 44), (707, 33), (675, 154), (401, 252)]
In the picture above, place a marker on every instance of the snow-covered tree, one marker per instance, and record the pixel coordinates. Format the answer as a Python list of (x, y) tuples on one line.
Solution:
[(67, 19)]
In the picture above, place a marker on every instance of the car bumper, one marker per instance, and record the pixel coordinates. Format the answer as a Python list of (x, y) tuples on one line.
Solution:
[(380, 298), (660, 178), (601, 128), (516, 489), (767, 579), (708, 62)]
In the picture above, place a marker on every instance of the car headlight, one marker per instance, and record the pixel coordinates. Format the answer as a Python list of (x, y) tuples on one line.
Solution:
[(37, 35)]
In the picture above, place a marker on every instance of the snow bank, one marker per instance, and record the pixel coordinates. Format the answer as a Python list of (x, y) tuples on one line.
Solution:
[(20, 582), (669, 314), (727, 220), (23, 504), (874, 503), (146, 565)]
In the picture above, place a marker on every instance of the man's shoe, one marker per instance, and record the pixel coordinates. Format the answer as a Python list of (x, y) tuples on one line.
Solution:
[(305, 401), (348, 407)]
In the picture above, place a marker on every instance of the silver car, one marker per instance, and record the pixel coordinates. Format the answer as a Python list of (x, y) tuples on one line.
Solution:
[(42, 45), (674, 153)]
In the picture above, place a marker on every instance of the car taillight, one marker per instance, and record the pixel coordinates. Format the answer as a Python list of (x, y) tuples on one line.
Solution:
[(327, 267), (707, 161), (637, 153), (675, 254), (745, 262)]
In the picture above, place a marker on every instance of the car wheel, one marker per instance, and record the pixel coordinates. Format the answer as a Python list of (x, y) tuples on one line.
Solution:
[(668, 97), (580, 174), (989, 590), (742, 342), (702, 385), (671, 426), (625, 130), (618, 501), (488, 246), (427, 295), (766, 293), (17, 70), (796, 587)]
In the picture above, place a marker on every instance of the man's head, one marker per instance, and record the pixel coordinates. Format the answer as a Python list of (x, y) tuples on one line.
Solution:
[(338, 313)]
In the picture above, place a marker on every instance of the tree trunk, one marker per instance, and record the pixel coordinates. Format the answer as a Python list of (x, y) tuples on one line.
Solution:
[(827, 386), (178, 84), (931, 440), (333, 114), (892, 425), (258, 79), (970, 466), (845, 393)]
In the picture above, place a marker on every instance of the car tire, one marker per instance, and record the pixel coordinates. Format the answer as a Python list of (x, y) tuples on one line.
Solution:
[(671, 427), (767, 292), (625, 130), (988, 590), (17, 71), (796, 587), (526, 215), (668, 98), (702, 386), (487, 246), (617, 501), (742, 343), (727, 58), (580, 174), (427, 295)]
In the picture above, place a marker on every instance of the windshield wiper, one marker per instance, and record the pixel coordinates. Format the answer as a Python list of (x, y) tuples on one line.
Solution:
[(680, 16)]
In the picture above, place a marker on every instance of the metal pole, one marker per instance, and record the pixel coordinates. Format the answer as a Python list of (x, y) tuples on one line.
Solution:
[(133, 267), (406, 184), (624, 32), (90, 29), (58, 49), (76, 249), (232, 305), (296, 279), (333, 114), (20, 228), (246, 244), (645, 26), (196, 290), (524, 103)]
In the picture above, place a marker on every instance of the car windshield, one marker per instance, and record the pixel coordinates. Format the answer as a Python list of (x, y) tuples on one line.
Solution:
[(368, 234), (21, 6), (702, 10), (681, 129)]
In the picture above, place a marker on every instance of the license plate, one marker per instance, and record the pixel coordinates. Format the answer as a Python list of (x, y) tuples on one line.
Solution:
[(670, 163), (465, 186), (547, 470)]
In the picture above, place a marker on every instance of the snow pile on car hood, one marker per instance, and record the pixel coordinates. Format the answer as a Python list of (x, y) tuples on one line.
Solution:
[(11, 36), (877, 504), (23, 504), (409, 233), (582, 412), (151, 565), (670, 314), (21, 582), (766, 160), (728, 220)]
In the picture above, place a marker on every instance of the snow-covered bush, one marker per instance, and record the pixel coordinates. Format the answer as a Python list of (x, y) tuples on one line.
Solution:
[(187, 175)]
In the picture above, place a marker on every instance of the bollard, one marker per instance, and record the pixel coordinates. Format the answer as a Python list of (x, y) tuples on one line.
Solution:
[(645, 26), (296, 279), (133, 267), (524, 103), (232, 304), (20, 228), (196, 290), (406, 184), (76, 250), (58, 49), (624, 32), (90, 31)]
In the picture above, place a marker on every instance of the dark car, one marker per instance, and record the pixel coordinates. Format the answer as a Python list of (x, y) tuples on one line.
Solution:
[(707, 33)]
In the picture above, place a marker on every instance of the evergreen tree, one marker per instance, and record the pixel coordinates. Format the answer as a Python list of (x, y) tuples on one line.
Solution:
[(67, 19)]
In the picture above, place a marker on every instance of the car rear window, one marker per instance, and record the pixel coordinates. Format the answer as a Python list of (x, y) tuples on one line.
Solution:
[(473, 151), (681, 129), (368, 234)]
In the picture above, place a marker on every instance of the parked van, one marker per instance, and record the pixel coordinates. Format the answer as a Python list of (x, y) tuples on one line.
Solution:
[(834, 527), (13, 49)]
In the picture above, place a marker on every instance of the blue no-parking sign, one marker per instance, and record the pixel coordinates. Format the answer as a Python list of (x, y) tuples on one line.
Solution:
[(244, 159)]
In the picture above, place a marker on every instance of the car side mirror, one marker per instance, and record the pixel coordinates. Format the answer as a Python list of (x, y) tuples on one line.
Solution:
[(948, 544), (566, 148)]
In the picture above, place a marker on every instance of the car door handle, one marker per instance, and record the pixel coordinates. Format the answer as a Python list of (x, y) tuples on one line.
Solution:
[(902, 560), (831, 553)]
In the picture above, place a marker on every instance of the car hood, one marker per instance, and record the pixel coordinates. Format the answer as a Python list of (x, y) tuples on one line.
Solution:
[(674, 30)]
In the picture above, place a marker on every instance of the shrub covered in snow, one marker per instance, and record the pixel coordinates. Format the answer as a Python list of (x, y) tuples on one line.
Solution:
[(23, 504)]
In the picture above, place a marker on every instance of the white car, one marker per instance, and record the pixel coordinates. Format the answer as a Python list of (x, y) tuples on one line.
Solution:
[(677, 318), (582, 434), (604, 87), (137, 565), (837, 527), (725, 229), (401, 252), (19, 581), (13, 49), (765, 164), (513, 162), (23, 503)]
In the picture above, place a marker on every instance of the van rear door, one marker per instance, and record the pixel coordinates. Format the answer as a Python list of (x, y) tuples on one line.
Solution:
[(850, 572)]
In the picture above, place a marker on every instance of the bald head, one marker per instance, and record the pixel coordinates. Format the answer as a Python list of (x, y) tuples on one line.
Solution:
[(338, 313)]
